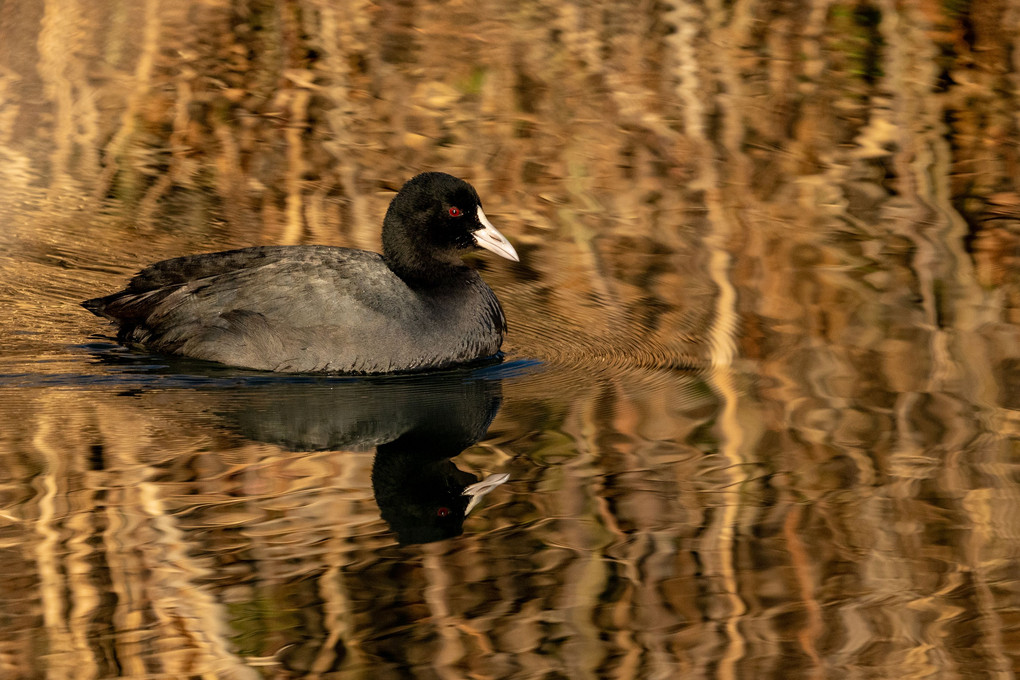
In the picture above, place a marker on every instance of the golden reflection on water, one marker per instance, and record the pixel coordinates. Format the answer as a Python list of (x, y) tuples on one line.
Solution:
[(768, 270)]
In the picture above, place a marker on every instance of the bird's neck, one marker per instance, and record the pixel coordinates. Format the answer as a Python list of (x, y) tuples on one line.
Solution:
[(421, 269)]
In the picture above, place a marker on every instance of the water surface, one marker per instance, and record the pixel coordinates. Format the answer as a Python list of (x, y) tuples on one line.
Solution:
[(760, 400)]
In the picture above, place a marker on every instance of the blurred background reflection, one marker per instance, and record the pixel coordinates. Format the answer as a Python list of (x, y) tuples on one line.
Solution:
[(759, 410)]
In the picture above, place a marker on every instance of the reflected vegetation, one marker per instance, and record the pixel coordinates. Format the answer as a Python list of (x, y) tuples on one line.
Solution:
[(760, 406)]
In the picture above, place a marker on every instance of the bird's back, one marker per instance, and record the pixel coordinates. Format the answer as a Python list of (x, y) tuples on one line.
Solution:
[(303, 309)]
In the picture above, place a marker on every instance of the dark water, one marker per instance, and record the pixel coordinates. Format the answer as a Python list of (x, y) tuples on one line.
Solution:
[(759, 409)]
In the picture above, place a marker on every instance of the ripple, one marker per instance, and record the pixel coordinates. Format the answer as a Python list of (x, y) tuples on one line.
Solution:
[(557, 340)]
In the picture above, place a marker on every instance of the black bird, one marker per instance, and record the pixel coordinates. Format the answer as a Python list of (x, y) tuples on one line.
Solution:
[(304, 309)]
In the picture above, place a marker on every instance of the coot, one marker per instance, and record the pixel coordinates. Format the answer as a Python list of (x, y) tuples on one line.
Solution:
[(304, 309)]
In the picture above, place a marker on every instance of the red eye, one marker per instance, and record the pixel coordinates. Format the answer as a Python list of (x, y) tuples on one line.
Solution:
[(444, 512), (455, 211)]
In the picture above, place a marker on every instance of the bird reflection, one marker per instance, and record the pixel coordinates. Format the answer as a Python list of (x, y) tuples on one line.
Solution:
[(417, 424), (422, 495)]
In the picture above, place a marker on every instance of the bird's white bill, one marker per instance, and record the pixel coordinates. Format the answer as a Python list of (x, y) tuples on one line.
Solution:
[(488, 237), (478, 490)]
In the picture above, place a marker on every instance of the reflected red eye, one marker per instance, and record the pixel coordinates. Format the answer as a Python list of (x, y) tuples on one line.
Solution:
[(455, 212), (443, 512)]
